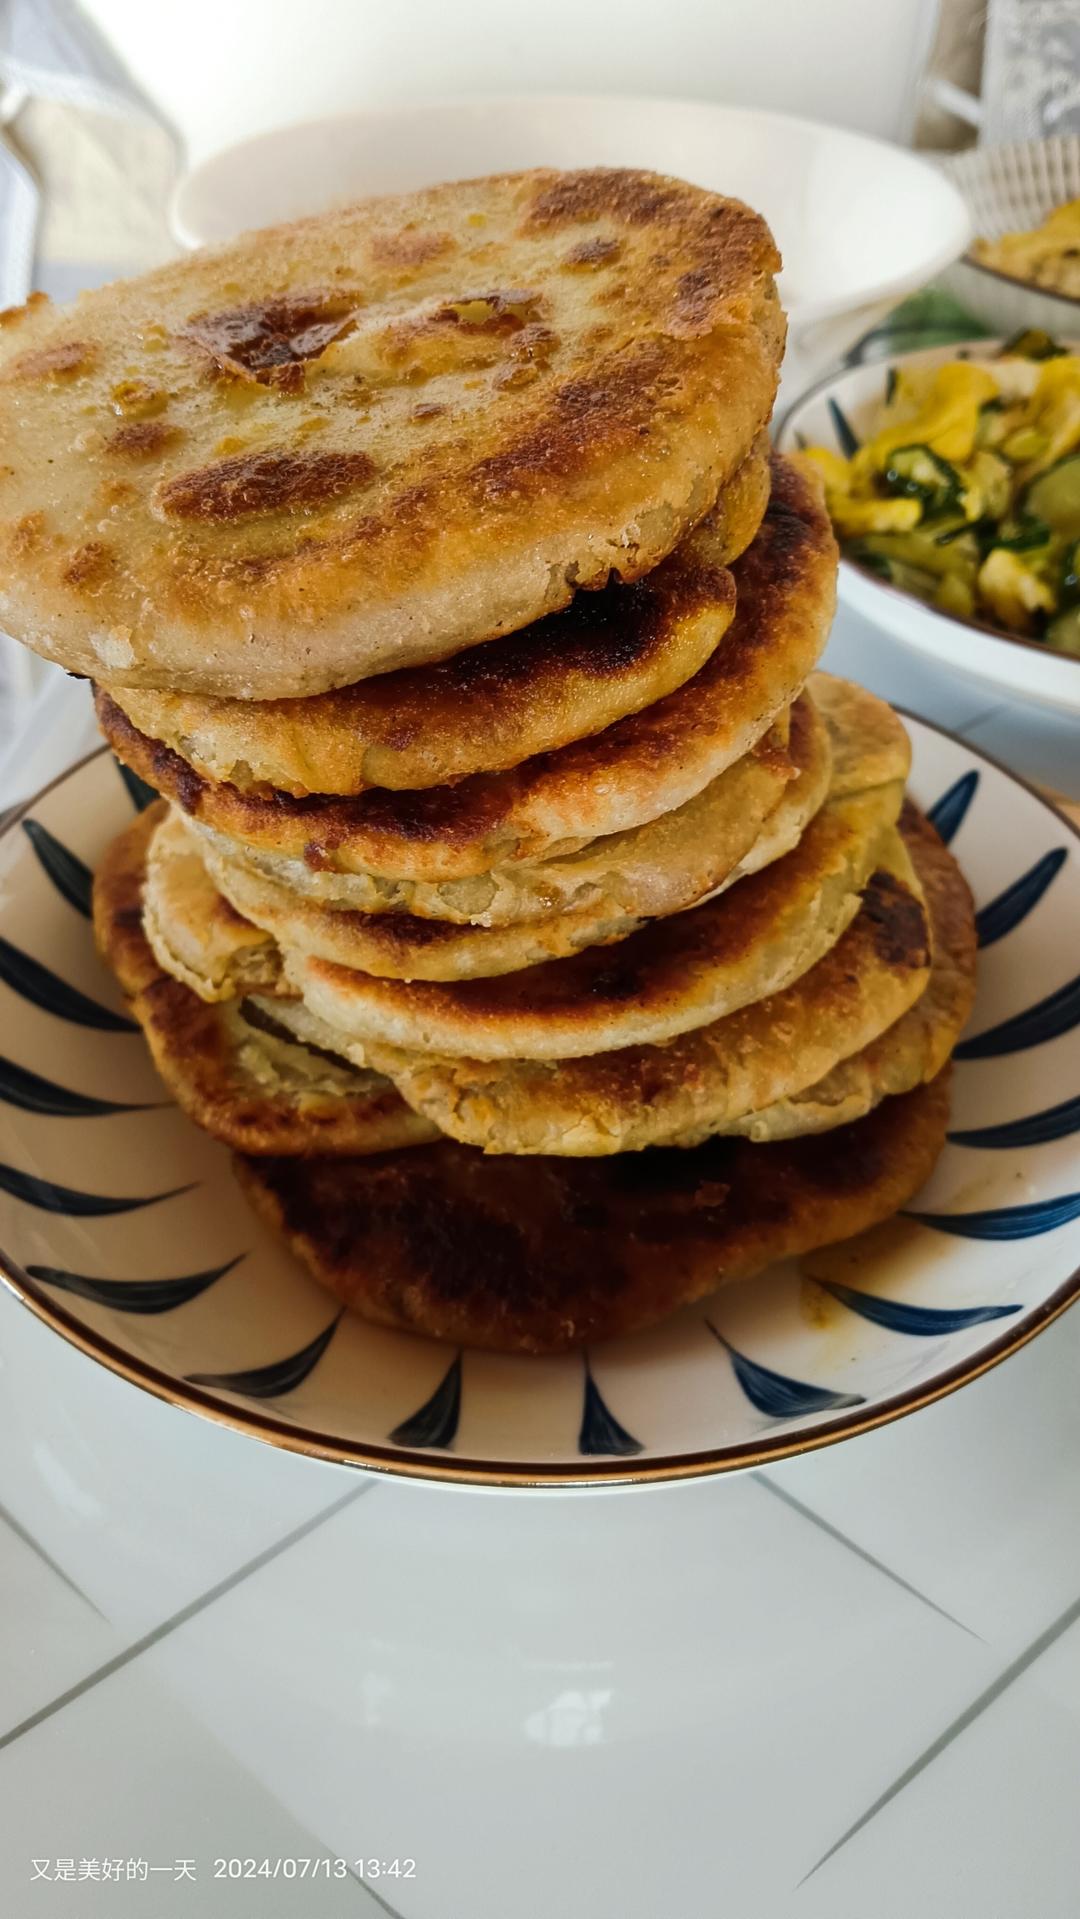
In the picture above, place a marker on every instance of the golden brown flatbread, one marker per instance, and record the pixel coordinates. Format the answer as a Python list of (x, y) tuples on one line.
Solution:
[(656, 869), (918, 1046), (248, 1084), (675, 974), (195, 933), (633, 772), (553, 1254), (378, 436), (606, 655), (648, 1095)]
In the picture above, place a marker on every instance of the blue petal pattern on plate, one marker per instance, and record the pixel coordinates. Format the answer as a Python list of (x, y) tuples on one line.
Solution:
[(993, 921), (776, 1394), (435, 1423), (71, 878), (20, 1087), (42, 988), (600, 1430), (768, 1408), (1006, 1222), (845, 432), (1047, 1020), (922, 1322), (142, 795), (1037, 1129), (133, 1295), (51, 1198), (281, 1376), (947, 815)]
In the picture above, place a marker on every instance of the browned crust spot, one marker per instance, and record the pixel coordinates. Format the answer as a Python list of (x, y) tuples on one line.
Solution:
[(27, 534), (592, 253), (14, 316), (59, 362), (639, 199), (897, 923), (496, 311), (139, 439), (249, 484), (262, 337), (409, 247), (88, 565)]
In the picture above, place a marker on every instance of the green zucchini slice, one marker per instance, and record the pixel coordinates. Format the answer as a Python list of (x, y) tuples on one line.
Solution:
[(1053, 496)]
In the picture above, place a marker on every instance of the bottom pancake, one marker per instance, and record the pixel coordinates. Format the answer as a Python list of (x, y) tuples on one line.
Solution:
[(543, 1257), (236, 1073)]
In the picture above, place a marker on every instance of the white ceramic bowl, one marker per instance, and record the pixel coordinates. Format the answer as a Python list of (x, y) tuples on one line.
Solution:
[(1009, 189), (824, 191), (1029, 673)]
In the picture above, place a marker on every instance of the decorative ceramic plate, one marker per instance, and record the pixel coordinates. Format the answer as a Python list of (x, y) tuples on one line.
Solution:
[(123, 1229), (839, 412)]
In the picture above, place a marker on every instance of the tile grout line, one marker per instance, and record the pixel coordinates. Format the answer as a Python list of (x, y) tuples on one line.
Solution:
[(16, 1526), (860, 1552), (177, 1619), (959, 1725)]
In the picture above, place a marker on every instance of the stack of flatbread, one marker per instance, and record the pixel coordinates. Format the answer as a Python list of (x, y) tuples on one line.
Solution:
[(431, 564)]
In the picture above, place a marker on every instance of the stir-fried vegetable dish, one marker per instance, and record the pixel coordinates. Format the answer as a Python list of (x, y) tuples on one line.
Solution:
[(967, 490)]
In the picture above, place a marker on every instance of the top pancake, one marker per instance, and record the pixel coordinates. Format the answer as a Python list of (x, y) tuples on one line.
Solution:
[(606, 655), (376, 437), (643, 766)]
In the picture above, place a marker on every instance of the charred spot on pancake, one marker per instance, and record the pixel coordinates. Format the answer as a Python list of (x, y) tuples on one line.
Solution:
[(59, 362), (141, 439), (639, 199), (256, 340), (249, 484), (588, 418), (592, 253), (89, 565), (897, 922), (696, 295)]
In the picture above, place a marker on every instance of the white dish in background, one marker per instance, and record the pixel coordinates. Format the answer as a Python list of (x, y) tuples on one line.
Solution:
[(123, 1229), (1022, 670), (1010, 189), (823, 190)]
